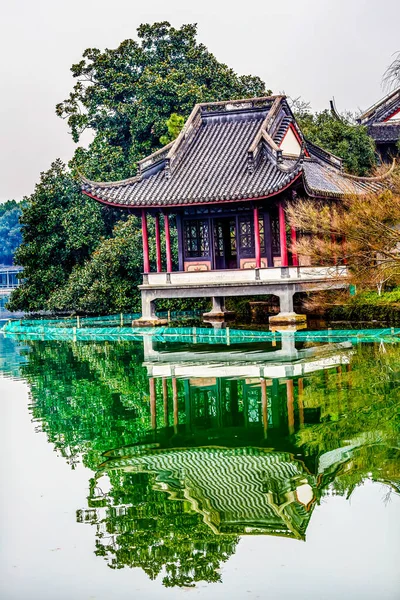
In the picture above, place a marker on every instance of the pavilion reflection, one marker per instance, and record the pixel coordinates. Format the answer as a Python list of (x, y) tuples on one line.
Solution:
[(221, 438), (254, 393)]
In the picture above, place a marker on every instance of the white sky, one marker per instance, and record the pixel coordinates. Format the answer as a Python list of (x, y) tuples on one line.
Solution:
[(309, 48)]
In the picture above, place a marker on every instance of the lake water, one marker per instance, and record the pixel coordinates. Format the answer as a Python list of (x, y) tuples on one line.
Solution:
[(174, 470)]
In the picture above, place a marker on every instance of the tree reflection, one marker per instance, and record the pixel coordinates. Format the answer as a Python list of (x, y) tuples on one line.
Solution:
[(183, 467)]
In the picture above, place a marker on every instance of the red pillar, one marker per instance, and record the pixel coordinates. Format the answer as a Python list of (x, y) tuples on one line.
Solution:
[(282, 236), (293, 239), (146, 261), (257, 238), (167, 243), (158, 244)]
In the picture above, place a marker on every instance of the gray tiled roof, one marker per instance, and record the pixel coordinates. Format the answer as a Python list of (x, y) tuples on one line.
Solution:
[(382, 110), (385, 132), (227, 152)]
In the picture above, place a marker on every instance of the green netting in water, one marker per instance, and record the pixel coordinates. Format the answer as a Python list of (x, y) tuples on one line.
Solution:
[(72, 329), (119, 320)]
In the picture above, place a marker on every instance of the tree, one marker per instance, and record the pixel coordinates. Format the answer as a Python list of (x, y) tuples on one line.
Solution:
[(341, 137), (126, 95), (107, 282), (174, 125), (391, 78), (362, 230), (10, 230), (61, 228)]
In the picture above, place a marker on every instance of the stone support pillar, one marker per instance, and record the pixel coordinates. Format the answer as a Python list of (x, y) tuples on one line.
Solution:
[(218, 310)]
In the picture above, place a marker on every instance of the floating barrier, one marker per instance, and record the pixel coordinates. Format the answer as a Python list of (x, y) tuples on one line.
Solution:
[(115, 328)]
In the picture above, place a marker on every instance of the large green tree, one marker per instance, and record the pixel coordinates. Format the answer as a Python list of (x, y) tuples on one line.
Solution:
[(339, 135), (10, 230), (132, 99), (126, 95), (61, 228)]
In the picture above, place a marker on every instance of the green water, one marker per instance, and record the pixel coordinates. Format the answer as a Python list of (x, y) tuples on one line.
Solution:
[(153, 470)]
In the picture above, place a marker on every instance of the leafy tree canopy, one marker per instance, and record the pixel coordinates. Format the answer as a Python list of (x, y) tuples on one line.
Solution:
[(126, 95), (341, 137), (10, 230), (61, 228)]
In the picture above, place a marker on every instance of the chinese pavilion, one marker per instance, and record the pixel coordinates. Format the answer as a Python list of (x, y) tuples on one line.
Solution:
[(383, 124), (227, 178)]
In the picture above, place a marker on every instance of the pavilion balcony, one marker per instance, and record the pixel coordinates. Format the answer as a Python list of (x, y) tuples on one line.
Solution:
[(282, 282), (244, 276)]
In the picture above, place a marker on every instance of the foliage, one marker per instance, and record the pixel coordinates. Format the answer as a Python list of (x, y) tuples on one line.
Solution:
[(156, 534), (341, 137), (61, 228), (126, 95), (88, 397), (359, 409), (368, 228), (10, 230), (365, 306), (107, 282), (174, 125)]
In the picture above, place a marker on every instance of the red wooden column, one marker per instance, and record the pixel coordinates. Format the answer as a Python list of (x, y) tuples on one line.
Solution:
[(282, 236), (293, 239), (158, 244), (167, 243), (257, 238), (146, 260)]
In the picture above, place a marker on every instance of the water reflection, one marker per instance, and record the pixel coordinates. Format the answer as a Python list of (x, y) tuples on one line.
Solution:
[(192, 447)]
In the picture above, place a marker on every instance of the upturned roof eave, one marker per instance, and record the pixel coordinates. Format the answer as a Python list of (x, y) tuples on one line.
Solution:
[(229, 200)]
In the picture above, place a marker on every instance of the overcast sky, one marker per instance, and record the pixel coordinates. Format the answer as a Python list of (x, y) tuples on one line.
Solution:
[(309, 48)]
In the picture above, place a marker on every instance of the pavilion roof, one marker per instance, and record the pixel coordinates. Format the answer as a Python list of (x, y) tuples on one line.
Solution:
[(382, 110), (237, 490), (383, 119), (231, 151)]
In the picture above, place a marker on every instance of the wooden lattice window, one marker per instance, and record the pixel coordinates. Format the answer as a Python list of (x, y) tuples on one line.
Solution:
[(246, 236), (276, 241), (196, 236)]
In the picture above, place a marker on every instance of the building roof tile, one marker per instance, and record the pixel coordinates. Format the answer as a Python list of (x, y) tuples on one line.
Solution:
[(229, 151)]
